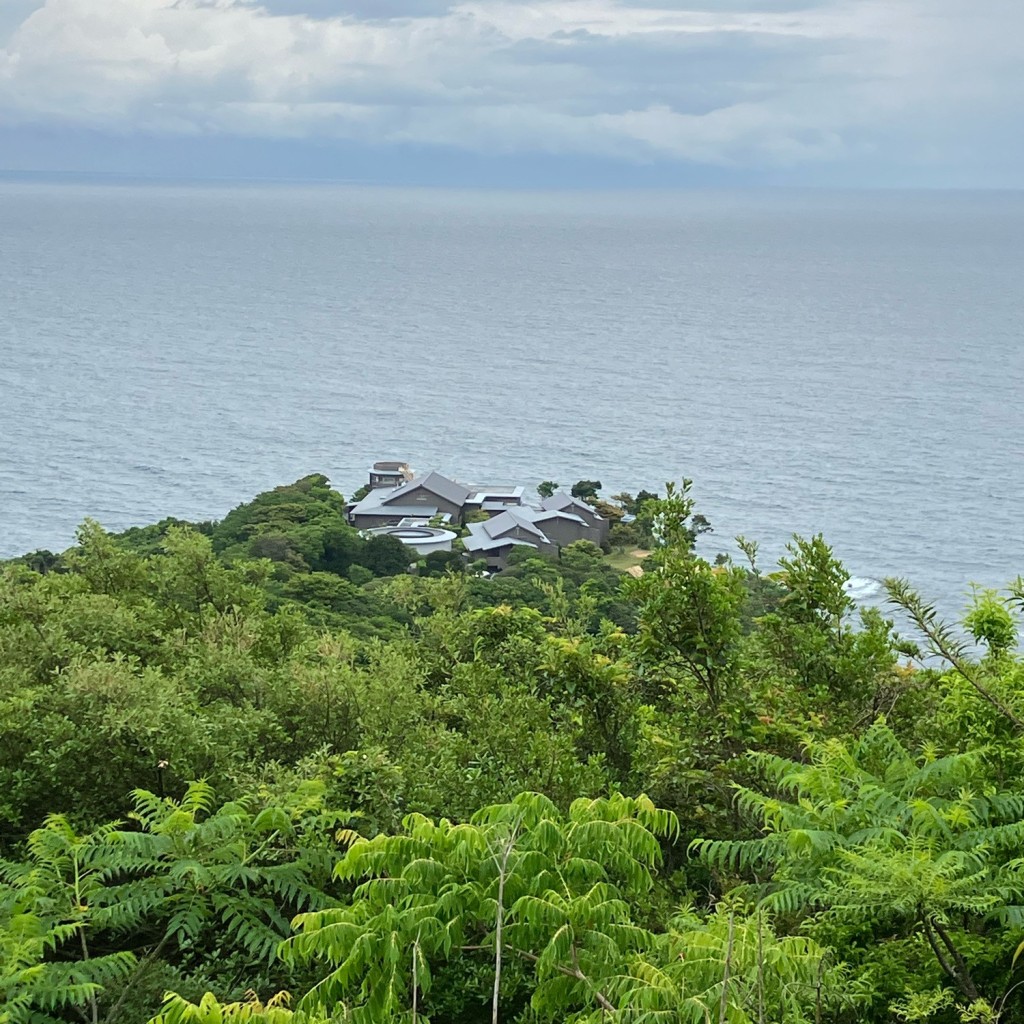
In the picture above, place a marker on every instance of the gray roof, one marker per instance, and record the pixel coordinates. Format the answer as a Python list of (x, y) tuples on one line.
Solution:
[(495, 493), (371, 500), (481, 542), (543, 517), (509, 520), (498, 506), (450, 490), (562, 502), (376, 509)]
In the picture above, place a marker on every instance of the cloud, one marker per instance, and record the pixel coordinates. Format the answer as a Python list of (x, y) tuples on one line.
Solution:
[(373, 10), (733, 83)]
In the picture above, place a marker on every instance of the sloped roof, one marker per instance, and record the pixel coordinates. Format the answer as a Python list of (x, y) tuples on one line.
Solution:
[(545, 517), (481, 542), (371, 500), (562, 502), (435, 483), (509, 520)]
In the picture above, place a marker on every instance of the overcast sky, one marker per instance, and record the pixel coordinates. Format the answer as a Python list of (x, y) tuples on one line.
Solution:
[(872, 92)]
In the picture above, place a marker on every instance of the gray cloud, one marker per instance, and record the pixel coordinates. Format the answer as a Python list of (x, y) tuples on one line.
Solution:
[(690, 73), (770, 84), (371, 10)]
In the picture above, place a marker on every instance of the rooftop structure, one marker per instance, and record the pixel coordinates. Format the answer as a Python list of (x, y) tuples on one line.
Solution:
[(496, 498), (389, 474), (422, 539), (434, 484)]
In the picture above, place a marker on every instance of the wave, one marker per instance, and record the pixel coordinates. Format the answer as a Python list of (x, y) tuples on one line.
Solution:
[(862, 588)]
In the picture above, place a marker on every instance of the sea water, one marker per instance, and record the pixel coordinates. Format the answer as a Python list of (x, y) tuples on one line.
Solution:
[(849, 363)]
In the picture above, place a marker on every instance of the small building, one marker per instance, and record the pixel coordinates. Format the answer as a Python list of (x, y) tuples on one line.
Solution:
[(493, 539), (421, 498), (494, 500), (597, 524), (563, 528), (389, 474)]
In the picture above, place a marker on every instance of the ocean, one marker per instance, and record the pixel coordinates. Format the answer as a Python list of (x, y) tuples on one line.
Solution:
[(843, 363)]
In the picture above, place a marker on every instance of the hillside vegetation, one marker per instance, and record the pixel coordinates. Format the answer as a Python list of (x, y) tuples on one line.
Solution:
[(254, 771)]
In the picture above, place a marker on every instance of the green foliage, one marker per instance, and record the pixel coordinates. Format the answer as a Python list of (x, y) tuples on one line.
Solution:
[(47, 905), (626, 535), (690, 611), (811, 633), (867, 833), (989, 621), (520, 880), (385, 555), (732, 966), (209, 1011), (195, 877), (437, 563), (943, 643), (546, 488), (585, 489), (851, 871)]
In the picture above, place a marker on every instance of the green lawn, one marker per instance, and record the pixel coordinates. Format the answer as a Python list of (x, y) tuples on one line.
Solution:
[(626, 558)]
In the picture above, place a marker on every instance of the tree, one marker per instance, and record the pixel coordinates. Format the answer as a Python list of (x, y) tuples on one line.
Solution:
[(87, 912), (49, 908), (585, 489), (813, 635), (869, 834), (989, 621), (731, 966), (581, 554), (608, 509), (520, 882), (301, 526), (440, 562), (208, 1010), (547, 487), (41, 561), (626, 502), (385, 555), (626, 535), (690, 611)]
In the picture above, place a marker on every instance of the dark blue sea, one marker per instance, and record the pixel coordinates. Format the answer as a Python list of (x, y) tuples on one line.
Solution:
[(845, 363)]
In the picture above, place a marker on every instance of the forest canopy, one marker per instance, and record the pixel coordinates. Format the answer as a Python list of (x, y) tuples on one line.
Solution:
[(257, 771)]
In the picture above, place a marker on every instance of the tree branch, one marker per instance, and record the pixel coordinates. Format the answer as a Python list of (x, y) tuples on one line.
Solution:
[(569, 972), (942, 642), (944, 963), (724, 1002), (966, 981), (499, 915), (415, 980), (111, 1016)]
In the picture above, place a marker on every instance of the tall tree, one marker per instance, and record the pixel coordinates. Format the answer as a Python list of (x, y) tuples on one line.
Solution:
[(869, 834), (521, 881)]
